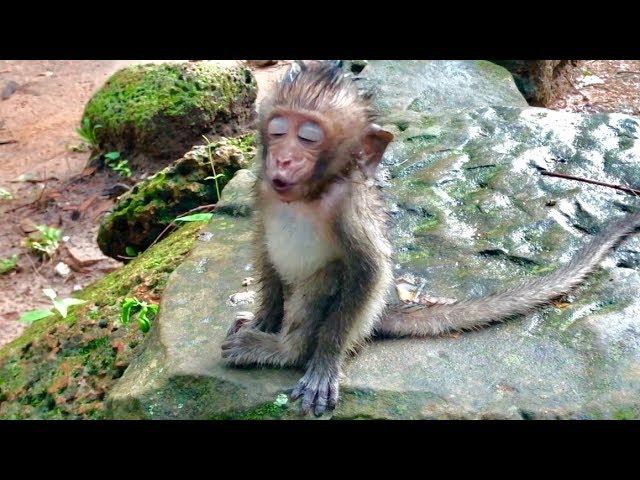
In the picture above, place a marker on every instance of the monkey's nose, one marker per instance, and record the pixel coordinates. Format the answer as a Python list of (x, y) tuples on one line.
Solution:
[(283, 162)]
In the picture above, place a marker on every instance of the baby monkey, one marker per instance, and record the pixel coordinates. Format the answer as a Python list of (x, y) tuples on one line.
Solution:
[(323, 257)]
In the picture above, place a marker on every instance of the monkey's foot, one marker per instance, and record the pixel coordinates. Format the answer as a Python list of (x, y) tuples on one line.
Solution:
[(242, 318), (249, 347), (319, 391)]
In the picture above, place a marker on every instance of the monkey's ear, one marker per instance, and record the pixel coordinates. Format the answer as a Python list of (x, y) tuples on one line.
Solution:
[(375, 143)]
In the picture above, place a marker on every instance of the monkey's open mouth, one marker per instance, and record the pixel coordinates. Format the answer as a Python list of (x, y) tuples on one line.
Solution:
[(281, 185)]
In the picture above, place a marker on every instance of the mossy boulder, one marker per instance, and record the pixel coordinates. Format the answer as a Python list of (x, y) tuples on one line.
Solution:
[(470, 213), (141, 214), (157, 112), (62, 369)]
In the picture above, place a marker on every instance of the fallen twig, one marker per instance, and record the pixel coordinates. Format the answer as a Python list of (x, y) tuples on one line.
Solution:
[(628, 190), (7, 142)]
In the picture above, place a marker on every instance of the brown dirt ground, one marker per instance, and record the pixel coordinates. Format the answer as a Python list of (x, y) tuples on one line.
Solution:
[(602, 86), (41, 116), (39, 119)]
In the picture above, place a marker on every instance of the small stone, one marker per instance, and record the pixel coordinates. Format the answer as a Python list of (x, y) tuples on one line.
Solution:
[(103, 323), (27, 225), (406, 291), (245, 315), (8, 89), (77, 288), (62, 269), (85, 255), (205, 236), (242, 298), (247, 281)]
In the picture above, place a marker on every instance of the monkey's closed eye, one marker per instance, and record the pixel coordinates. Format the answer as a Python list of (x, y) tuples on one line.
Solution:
[(310, 132), (278, 126)]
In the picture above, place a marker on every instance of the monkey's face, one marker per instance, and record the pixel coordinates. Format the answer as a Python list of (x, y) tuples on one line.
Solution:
[(296, 144)]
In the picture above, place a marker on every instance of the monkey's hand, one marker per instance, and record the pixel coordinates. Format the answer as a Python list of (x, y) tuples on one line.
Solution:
[(319, 389)]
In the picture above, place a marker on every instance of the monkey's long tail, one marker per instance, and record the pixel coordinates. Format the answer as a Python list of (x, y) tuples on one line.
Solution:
[(423, 320)]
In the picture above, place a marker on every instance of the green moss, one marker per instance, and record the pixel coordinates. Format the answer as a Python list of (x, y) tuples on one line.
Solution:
[(142, 214), (493, 69), (137, 94), (61, 369), (426, 227), (265, 411), (159, 111), (628, 413)]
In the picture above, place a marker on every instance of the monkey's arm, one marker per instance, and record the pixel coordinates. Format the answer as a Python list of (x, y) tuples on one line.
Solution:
[(347, 321)]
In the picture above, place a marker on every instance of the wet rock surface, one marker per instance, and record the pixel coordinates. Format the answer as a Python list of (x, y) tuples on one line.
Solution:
[(470, 213)]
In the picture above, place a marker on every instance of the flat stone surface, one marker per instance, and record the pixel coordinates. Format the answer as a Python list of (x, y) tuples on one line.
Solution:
[(469, 213)]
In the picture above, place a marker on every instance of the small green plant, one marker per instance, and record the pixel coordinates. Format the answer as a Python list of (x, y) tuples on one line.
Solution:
[(8, 264), (59, 305), (5, 194), (215, 176), (130, 251), (87, 132), (47, 240), (145, 312), (196, 217), (118, 164)]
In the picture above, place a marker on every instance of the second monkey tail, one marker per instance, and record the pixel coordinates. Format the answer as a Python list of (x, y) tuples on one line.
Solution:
[(418, 320)]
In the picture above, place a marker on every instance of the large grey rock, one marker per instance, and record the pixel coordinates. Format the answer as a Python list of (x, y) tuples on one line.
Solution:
[(439, 85), (470, 213)]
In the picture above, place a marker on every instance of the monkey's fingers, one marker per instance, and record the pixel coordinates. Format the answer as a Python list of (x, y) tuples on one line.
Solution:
[(297, 391), (319, 394), (334, 394)]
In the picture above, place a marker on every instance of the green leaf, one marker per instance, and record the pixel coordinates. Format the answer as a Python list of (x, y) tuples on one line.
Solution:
[(112, 155), (60, 306), (130, 251), (49, 293), (143, 324), (127, 308), (196, 217), (33, 315)]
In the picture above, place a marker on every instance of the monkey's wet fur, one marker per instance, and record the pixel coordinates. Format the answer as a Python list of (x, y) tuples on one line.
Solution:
[(323, 257)]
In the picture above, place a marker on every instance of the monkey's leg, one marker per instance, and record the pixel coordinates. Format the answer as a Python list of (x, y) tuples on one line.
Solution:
[(349, 319), (306, 305)]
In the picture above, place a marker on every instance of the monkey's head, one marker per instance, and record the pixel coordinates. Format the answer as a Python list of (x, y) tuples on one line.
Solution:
[(317, 127)]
